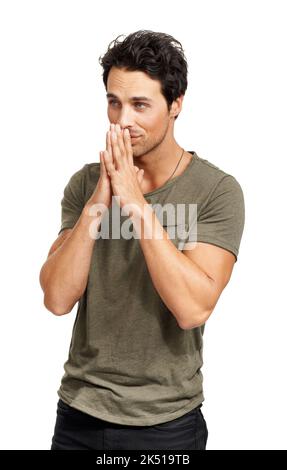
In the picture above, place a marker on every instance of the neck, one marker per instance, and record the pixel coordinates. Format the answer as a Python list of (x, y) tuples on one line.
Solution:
[(160, 163)]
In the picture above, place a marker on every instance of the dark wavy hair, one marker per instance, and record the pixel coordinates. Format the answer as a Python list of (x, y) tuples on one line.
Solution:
[(157, 54)]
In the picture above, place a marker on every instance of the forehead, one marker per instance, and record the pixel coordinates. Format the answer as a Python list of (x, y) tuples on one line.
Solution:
[(132, 83)]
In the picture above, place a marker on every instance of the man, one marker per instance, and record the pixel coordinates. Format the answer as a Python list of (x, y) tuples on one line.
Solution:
[(133, 377)]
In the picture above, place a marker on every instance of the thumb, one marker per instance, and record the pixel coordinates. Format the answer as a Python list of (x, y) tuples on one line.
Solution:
[(140, 176)]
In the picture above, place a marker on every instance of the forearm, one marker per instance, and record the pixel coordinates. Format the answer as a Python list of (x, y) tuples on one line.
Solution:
[(64, 275), (183, 286)]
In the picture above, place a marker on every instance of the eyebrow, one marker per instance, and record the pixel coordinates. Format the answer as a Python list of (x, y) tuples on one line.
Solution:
[(134, 98)]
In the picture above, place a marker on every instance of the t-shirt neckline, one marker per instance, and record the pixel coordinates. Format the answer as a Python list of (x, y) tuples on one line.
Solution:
[(176, 178)]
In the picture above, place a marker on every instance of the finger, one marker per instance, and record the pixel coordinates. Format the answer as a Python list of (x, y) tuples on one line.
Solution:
[(136, 168), (109, 146), (103, 166), (120, 142), (117, 155), (102, 169), (110, 167), (108, 142), (128, 145), (109, 151)]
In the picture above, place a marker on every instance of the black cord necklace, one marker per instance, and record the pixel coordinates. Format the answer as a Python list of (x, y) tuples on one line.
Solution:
[(175, 167)]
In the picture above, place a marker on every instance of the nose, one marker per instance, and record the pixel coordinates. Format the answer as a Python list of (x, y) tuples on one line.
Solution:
[(125, 118)]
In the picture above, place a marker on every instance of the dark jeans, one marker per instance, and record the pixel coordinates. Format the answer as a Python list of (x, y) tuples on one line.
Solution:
[(75, 430)]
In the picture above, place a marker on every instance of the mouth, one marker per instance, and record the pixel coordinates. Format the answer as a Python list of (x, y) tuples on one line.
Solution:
[(134, 140)]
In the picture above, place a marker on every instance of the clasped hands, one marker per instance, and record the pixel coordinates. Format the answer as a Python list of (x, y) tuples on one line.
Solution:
[(118, 165)]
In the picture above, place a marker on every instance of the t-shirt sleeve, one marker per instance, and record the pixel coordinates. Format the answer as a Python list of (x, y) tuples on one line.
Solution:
[(221, 219), (72, 202)]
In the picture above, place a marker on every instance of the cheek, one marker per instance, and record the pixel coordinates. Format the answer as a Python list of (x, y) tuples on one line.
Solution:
[(149, 123), (111, 114), (156, 121), (155, 126)]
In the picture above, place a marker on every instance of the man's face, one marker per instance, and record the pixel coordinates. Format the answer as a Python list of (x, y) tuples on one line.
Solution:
[(147, 118)]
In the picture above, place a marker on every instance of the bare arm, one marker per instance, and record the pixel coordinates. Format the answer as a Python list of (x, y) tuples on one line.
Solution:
[(189, 283), (64, 275)]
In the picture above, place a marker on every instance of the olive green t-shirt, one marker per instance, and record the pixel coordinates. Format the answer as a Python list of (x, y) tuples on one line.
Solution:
[(129, 361)]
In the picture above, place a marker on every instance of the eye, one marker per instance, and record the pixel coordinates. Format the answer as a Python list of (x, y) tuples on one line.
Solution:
[(141, 104), (137, 104), (111, 102)]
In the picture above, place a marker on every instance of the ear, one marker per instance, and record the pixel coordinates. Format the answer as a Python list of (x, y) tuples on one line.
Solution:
[(176, 106)]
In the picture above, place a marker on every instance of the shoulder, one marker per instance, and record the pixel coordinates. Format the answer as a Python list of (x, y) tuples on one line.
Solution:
[(88, 169), (220, 208), (92, 168), (206, 170), (82, 178), (212, 181)]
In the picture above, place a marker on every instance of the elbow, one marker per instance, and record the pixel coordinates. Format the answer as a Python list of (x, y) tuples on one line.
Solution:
[(58, 312), (192, 321), (56, 309), (198, 314)]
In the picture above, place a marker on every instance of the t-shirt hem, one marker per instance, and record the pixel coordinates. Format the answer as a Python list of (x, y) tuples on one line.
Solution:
[(220, 243), (136, 421)]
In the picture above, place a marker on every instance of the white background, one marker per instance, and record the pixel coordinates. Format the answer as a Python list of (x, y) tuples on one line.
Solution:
[(53, 121)]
